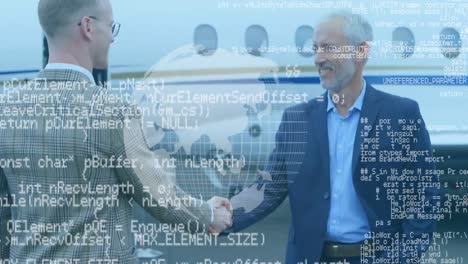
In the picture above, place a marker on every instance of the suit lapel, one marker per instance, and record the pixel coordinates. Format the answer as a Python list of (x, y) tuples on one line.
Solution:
[(370, 109), (319, 128)]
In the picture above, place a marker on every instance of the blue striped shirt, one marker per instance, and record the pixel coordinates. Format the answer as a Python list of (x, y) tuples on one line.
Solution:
[(347, 221)]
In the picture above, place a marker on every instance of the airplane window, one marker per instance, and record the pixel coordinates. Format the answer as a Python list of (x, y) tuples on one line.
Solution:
[(205, 40), (450, 42), (304, 43), (256, 40), (403, 42)]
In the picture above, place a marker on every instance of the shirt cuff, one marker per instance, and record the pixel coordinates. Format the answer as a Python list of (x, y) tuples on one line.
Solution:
[(212, 214)]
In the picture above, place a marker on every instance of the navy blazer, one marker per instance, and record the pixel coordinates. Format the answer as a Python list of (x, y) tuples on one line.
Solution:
[(299, 166)]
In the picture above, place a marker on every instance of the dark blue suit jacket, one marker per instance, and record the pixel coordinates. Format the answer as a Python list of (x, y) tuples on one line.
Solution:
[(299, 166)]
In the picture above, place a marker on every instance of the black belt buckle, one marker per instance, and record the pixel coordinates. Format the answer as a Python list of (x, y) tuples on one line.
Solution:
[(342, 250)]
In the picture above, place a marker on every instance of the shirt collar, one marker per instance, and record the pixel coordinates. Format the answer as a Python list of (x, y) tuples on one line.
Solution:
[(357, 104), (66, 66)]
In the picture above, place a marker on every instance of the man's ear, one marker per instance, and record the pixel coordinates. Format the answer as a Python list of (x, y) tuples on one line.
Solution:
[(362, 52), (86, 27)]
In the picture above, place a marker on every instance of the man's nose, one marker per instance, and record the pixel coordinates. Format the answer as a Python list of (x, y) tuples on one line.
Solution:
[(319, 58)]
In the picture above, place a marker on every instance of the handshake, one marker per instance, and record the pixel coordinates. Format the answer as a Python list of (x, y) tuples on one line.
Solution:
[(222, 214)]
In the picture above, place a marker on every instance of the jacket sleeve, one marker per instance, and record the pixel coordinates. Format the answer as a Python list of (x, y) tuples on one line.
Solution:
[(420, 229), (155, 189), (5, 216), (271, 186)]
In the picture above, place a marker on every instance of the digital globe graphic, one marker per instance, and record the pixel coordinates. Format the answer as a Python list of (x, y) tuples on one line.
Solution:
[(212, 131)]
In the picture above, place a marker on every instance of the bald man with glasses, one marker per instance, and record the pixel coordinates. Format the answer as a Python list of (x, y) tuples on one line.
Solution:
[(95, 160)]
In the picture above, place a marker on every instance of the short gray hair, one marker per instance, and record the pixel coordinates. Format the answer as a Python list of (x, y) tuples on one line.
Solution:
[(55, 15), (356, 28)]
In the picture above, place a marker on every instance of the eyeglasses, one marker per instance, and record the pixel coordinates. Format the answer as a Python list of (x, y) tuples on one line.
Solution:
[(115, 26)]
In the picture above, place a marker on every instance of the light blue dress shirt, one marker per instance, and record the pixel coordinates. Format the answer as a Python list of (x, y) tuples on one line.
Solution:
[(347, 221)]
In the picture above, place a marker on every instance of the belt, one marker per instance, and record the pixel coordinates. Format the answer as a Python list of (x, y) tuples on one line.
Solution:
[(342, 250)]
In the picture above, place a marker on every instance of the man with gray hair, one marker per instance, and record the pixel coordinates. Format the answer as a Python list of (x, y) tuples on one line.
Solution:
[(337, 189), (82, 160)]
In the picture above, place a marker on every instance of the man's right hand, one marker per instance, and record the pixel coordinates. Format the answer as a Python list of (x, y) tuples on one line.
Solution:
[(222, 210)]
